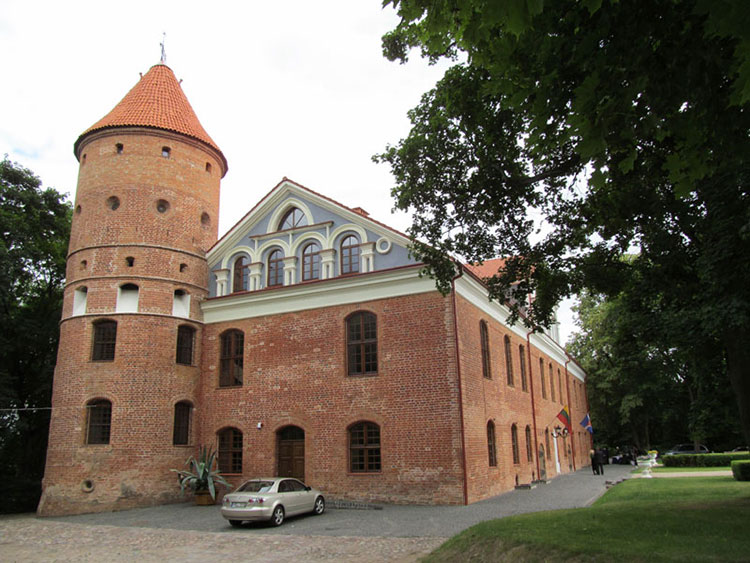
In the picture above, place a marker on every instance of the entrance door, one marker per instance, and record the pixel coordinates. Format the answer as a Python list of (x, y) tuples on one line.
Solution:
[(291, 452), (542, 464)]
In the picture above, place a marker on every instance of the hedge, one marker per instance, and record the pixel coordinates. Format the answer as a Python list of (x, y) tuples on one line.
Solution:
[(703, 460), (741, 470)]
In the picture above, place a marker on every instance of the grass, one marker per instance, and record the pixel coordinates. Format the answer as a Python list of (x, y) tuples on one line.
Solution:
[(662, 469), (689, 519)]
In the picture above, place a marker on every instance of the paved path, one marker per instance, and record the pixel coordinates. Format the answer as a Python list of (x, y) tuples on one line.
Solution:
[(194, 533)]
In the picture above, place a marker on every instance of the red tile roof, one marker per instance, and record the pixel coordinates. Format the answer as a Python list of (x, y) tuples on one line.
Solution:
[(156, 101), (486, 269)]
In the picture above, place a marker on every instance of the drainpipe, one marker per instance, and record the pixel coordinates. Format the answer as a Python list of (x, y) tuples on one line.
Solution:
[(460, 391), (533, 408), (567, 391)]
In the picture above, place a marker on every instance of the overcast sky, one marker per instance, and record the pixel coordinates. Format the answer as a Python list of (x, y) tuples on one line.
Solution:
[(285, 88)]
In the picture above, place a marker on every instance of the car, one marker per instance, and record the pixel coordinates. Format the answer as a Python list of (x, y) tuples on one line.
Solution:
[(740, 449), (687, 449), (271, 499)]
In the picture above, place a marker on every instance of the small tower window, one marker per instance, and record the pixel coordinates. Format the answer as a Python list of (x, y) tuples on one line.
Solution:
[(165, 152), (83, 264), (130, 261), (208, 167), (118, 148), (83, 159), (78, 209), (113, 202), (162, 206), (205, 219), (183, 267)]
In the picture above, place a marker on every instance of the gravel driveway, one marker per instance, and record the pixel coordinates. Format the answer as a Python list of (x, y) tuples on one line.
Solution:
[(184, 532)]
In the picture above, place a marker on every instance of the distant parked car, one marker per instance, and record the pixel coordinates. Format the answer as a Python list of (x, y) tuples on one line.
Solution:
[(740, 449), (687, 449), (271, 499)]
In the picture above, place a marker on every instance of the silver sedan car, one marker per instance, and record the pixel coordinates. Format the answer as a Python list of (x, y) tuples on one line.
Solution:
[(271, 499)]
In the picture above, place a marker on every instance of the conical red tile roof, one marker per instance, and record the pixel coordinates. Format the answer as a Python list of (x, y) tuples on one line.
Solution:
[(156, 101)]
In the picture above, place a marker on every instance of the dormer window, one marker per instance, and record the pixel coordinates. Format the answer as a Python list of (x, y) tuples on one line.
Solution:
[(293, 218)]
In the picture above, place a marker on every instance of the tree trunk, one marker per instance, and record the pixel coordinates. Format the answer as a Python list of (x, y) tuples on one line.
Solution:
[(737, 344)]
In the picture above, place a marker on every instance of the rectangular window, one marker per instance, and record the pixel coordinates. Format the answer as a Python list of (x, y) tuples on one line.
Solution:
[(105, 338), (181, 434), (185, 339)]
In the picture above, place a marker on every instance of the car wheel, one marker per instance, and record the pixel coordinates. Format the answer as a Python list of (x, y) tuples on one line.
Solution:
[(320, 505), (236, 523), (278, 516)]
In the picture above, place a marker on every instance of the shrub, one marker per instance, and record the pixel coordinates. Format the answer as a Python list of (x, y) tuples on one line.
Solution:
[(703, 460), (741, 470)]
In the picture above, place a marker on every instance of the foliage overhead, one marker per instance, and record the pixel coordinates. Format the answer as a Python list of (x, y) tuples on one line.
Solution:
[(34, 232), (571, 133)]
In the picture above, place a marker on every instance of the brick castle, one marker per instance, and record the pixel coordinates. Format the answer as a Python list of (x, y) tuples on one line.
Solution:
[(303, 342)]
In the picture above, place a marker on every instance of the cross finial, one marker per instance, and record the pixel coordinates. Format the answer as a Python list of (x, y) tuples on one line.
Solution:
[(163, 52)]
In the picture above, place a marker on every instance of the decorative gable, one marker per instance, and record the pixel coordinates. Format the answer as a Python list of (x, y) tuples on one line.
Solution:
[(294, 235)]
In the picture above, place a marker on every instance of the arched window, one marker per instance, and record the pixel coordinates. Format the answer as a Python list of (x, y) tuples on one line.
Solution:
[(105, 338), (546, 439), (362, 344), (185, 342), (183, 412), (350, 255), (275, 268), (485, 344), (508, 360), (98, 421), (541, 376), (551, 382), (559, 386), (292, 218), (522, 361), (529, 456), (311, 262), (239, 281), (491, 447), (364, 447), (514, 443), (231, 361), (127, 298), (230, 451)]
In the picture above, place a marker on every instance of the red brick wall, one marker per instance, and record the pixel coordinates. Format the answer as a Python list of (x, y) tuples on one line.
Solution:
[(493, 399), (295, 373)]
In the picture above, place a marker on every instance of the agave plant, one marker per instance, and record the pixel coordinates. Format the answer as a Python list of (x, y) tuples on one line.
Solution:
[(203, 474)]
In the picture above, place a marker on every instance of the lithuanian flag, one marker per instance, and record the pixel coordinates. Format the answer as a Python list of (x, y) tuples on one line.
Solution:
[(564, 417)]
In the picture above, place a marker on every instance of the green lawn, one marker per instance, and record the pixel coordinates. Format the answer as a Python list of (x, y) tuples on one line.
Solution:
[(688, 519), (662, 469)]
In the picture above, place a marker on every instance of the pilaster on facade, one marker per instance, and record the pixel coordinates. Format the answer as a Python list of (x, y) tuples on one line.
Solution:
[(255, 276), (222, 282), (367, 257), (290, 270), (327, 262)]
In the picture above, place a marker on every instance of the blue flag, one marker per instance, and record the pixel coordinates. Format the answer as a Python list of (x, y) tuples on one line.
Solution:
[(586, 423)]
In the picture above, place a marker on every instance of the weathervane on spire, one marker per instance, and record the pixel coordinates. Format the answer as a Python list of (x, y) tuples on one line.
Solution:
[(163, 52)]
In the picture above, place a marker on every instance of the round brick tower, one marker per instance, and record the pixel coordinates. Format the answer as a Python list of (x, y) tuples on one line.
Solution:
[(127, 374)]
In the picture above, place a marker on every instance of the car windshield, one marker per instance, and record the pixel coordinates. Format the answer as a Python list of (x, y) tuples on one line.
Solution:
[(256, 487)]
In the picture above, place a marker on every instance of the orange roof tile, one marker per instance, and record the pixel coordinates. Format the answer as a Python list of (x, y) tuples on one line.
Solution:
[(487, 269), (156, 101)]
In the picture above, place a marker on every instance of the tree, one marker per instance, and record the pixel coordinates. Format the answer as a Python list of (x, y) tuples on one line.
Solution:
[(644, 388), (622, 129), (34, 232)]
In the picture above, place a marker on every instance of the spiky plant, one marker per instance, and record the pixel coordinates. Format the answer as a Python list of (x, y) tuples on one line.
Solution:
[(203, 474)]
